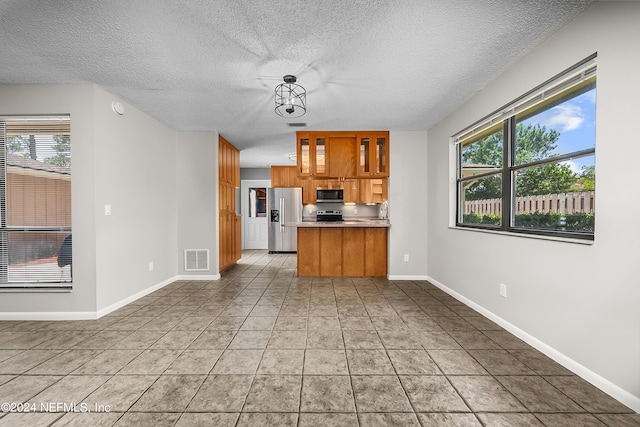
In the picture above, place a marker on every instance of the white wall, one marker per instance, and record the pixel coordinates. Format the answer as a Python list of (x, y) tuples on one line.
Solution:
[(579, 303), (135, 173), (408, 205), (197, 173), (255, 173)]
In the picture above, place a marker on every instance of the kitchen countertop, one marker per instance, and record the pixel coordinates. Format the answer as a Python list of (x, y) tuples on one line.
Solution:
[(346, 223)]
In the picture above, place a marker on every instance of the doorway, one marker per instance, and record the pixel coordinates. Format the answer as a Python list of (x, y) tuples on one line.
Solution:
[(255, 233)]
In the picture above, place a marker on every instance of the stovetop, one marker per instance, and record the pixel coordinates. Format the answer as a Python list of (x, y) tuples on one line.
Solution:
[(329, 215)]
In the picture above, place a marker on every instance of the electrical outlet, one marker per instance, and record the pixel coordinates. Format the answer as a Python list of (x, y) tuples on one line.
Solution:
[(107, 209), (406, 257), (503, 290), (355, 211), (150, 265)]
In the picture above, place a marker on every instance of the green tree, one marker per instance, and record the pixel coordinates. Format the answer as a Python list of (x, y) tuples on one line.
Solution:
[(548, 179), (18, 144), (25, 146), (62, 147), (486, 152), (587, 179), (533, 142)]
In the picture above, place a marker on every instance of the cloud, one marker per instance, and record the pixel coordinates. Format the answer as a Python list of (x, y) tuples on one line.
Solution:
[(575, 168), (568, 117)]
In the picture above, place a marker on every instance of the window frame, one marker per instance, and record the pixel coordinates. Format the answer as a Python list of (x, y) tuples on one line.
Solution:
[(564, 83), (47, 285)]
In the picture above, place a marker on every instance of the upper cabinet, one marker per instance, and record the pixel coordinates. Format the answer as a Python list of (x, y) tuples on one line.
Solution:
[(313, 154), (228, 163), (284, 176), (373, 154), (343, 154), (356, 161)]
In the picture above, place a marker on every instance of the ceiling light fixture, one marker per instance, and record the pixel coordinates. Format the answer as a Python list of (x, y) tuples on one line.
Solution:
[(291, 98)]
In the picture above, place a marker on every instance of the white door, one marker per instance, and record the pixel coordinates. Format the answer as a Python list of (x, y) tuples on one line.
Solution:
[(254, 213)]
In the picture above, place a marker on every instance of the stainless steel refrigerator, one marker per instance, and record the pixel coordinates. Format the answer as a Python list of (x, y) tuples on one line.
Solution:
[(284, 206)]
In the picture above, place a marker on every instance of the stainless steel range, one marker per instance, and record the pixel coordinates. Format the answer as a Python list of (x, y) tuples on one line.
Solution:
[(329, 215)]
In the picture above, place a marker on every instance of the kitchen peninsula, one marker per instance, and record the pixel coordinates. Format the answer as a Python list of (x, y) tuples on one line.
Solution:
[(351, 248)]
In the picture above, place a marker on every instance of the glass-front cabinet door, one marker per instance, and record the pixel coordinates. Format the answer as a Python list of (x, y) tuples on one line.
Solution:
[(320, 157), (373, 154), (312, 154), (304, 154)]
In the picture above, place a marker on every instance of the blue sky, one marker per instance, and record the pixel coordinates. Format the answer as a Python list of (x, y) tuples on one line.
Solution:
[(575, 120)]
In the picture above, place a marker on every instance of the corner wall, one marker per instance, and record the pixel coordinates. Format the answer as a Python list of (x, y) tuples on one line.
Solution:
[(135, 172), (408, 205), (581, 303), (197, 194)]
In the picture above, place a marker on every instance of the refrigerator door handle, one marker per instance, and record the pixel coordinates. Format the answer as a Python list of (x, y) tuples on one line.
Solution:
[(282, 215)]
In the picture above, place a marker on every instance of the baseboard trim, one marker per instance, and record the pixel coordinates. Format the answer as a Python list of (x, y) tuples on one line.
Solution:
[(49, 315), (113, 307), (407, 277), (83, 315), (194, 277), (585, 373)]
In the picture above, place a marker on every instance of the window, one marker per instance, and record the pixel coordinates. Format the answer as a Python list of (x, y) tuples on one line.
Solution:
[(35, 203), (530, 167), (257, 202)]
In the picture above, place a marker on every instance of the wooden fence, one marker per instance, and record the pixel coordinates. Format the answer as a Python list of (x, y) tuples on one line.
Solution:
[(563, 203)]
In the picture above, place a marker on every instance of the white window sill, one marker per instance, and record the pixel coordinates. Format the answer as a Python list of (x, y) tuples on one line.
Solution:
[(525, 235)]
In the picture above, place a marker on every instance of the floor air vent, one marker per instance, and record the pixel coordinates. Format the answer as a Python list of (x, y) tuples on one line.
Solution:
[(196, 260)]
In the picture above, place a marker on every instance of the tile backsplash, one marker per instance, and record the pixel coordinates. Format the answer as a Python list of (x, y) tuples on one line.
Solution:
[(357, 210)]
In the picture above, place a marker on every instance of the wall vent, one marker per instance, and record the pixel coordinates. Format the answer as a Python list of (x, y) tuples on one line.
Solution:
[(196, 260)]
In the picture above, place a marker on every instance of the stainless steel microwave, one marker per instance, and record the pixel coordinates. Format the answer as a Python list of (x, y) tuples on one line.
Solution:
[(329, 196)]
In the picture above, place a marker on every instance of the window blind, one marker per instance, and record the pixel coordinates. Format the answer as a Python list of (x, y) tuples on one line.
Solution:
[(35, 203), (582, 73)]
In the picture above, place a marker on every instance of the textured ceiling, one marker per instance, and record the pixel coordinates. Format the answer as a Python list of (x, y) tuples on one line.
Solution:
[(213, 65)]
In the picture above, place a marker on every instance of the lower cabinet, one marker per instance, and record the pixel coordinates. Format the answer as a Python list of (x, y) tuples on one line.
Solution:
[(237, 241), (342, 251), (230, 239)]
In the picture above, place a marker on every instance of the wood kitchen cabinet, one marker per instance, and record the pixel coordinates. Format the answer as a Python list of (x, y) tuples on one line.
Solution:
[(357, 162), (230, 224), (308, 244), (312, 154), (373, 154), (375, 250), (354, 190), (342, 155), (308, 191), (342, 251), (351, 190), (285, 176), (374, 190), (228, 163)]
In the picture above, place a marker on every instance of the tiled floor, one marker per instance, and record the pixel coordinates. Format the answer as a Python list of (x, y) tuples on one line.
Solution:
[(262, 347)]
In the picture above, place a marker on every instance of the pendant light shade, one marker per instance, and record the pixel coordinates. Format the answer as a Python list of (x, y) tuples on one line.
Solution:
[(291, 98)]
